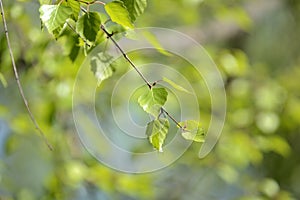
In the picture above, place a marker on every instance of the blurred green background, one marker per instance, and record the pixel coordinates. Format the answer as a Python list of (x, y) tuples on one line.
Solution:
[(255, 44)]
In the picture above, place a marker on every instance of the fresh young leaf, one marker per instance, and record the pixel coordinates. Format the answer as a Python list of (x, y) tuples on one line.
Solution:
[(3, 80), (54, 16), (174, 85), (192, 131), (156, 44), (101, 66), (88, 26), (75, 6), (152, 100), (135, 8), (118, 13), (157, 131), (100, 37)]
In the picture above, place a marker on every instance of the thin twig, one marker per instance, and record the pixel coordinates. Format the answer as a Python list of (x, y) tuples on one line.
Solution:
[(92, 2), (109, 35), (19, 83), (172, 118), (100, 2)]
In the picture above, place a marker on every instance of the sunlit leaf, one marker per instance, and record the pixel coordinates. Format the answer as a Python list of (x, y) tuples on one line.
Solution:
[(75, 6), (192, 131), (154, 41), (152, 100), (88, 26), (101, 66), (3, 80), (157, 131), (118, 13), (135, 7), (176, 86), (54, 16)]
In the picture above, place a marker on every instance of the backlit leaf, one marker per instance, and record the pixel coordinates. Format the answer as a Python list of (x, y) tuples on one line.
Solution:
[(157, 131), (3, 80), (174, 85), (101, 66), (152, 39), (135, 7), (54, 16), (118, 13), (192, 131), (75, 6), (152, 100)]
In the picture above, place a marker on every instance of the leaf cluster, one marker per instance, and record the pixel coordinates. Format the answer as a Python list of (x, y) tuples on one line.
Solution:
[(87, 29)]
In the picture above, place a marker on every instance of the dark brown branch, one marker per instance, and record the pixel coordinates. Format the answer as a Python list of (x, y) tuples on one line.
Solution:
[(109, 36), (18, 80)]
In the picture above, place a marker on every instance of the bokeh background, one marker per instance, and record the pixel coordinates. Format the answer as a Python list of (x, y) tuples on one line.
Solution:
[(255, 44)]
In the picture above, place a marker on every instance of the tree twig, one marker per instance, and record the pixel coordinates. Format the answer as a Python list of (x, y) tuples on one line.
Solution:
[(109, 36), (90, 3), (172, 118), (18, 80)]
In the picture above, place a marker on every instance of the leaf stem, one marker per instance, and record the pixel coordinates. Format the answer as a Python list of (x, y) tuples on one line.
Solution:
[(18, 80), (109, 36)]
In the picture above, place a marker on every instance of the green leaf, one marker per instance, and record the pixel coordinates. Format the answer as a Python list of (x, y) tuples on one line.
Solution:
[(88, 26), (192, 131), (54, 16), (59, 31), (75, 48), (157, 131), (152, 39), (118, 13), (174, 85), (3, 80), (135, 7), (152, 100), (74, 52), (75, 6), (101, 66)]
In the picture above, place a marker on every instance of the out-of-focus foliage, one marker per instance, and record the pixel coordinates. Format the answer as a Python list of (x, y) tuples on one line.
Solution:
[(255, 44)]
